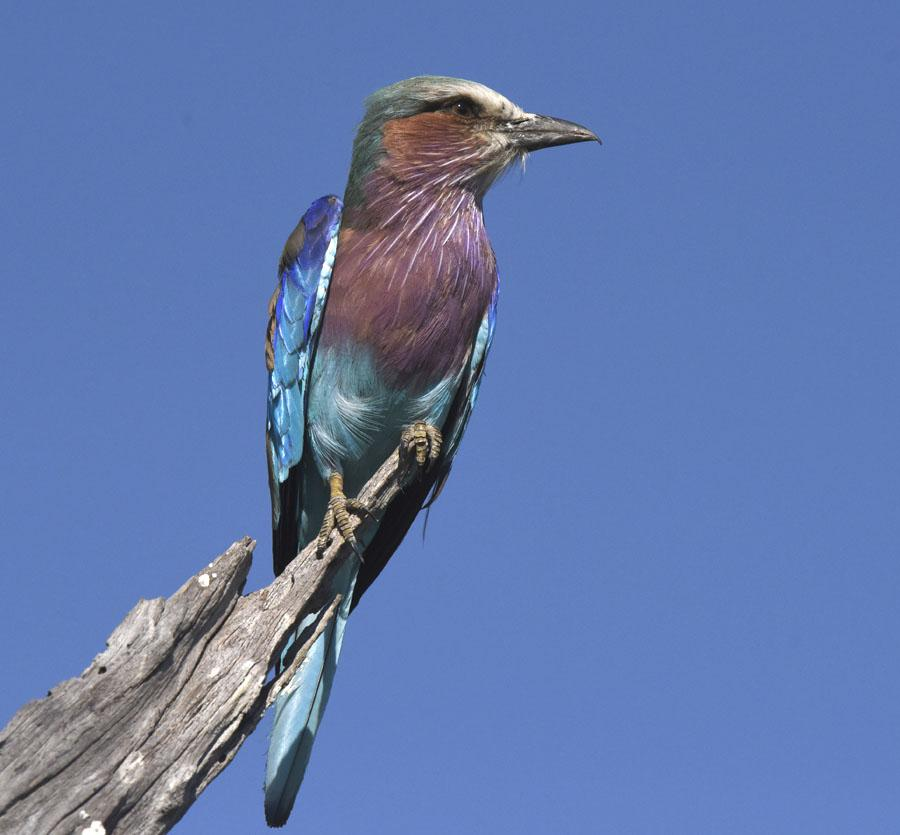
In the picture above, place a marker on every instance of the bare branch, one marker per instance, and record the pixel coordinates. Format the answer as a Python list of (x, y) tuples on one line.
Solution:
[(129, 744)]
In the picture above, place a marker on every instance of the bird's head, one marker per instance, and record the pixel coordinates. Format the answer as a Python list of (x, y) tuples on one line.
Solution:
[(432, 133)]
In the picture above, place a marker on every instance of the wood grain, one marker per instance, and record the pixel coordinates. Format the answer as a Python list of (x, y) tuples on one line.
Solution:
[(129, 744)]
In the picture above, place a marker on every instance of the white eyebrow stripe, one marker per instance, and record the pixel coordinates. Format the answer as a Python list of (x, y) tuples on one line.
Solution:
[(494, 103)]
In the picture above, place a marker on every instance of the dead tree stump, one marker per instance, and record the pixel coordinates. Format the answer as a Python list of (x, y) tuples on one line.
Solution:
[(129, 744)]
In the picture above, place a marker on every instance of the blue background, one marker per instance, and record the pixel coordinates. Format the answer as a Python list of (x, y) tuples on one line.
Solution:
[(660, 593)]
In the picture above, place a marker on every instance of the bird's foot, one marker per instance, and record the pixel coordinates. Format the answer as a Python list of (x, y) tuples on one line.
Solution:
[(337, 516), (421, 442)]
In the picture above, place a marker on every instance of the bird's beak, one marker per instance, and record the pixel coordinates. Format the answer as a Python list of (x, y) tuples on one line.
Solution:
[(534, 131)]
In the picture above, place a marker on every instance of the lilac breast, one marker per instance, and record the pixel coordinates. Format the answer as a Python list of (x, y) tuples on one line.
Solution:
[(413, 294)]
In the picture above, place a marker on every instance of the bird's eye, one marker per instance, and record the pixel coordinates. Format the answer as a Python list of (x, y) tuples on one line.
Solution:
[(462, 107)]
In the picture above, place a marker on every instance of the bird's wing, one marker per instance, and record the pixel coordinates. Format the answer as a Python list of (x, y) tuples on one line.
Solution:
[(459, 414), (403, 510), (295, 315)]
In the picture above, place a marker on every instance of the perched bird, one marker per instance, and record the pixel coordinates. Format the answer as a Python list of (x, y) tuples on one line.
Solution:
[(379, 328)]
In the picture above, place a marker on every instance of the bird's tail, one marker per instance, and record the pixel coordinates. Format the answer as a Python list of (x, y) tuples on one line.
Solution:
[(299, 708)]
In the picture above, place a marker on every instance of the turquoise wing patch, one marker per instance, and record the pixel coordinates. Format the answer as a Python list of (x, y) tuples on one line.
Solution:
[(455, 427)]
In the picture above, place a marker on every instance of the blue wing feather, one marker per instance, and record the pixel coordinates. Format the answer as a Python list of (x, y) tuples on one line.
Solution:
[(296, 314), (304, 275), (458, 419)]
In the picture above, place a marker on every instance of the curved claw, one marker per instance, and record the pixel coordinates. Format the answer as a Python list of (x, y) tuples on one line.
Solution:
[(337, 517), (422, 442)]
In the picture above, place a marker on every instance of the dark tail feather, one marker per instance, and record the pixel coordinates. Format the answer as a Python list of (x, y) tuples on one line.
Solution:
[(393, 527)]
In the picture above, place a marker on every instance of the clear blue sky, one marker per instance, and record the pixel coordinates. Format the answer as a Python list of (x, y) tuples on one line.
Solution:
[(660, 593)]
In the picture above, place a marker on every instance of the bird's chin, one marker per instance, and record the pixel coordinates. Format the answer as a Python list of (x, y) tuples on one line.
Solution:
[(501, 162)]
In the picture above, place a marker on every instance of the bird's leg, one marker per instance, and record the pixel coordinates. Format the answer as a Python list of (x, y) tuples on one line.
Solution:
[(338, 516), (421, 442)]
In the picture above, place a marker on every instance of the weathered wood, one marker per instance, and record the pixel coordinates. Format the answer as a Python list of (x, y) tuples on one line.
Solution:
[(129, 744)]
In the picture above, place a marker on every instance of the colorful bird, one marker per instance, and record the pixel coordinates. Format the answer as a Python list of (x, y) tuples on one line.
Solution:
[(379, 328)]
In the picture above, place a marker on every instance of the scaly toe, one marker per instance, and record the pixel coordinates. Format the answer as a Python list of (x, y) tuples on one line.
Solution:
[(340, 508), (435, 440), (337, 517), (325, 532), (422, 442)]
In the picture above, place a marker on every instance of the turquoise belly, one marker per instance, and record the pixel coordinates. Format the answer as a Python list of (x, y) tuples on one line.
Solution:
[(354, 422)]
